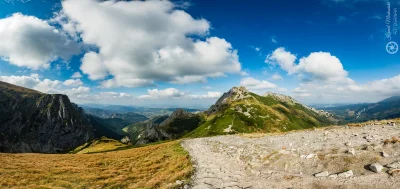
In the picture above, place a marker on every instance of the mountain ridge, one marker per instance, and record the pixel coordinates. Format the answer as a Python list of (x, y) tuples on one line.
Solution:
[(241, 111), (388, 108), (32, 121)]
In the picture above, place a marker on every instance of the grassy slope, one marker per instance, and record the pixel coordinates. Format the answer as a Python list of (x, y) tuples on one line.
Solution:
[(182, 126), (152, 166), (101, 145), (267, 115)]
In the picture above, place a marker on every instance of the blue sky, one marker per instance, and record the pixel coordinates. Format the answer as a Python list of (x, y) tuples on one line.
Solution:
[(318, 51)]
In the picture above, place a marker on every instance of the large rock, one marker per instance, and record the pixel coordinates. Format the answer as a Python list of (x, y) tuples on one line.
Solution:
[(376, 167), (31, 121), (322, 174), (346, 174), (152, 133)]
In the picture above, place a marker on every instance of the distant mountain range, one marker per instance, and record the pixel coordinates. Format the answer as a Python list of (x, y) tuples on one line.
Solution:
[(108, 111), (385, 109)]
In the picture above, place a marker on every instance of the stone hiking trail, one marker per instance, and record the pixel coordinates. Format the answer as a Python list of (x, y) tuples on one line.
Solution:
[(291, 160)]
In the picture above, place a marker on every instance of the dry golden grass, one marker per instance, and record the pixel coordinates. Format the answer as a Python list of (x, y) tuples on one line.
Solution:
[(101, 145), (147, 167)]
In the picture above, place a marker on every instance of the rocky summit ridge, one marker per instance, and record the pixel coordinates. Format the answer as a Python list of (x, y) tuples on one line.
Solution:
[(290, 100)]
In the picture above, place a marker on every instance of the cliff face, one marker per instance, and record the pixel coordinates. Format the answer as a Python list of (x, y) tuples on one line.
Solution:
[(31, 121)]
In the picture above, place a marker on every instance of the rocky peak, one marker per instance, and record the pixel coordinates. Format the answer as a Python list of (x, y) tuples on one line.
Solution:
[(178, 113), (234, 94)]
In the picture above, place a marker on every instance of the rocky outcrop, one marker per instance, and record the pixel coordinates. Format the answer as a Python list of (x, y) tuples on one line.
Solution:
[(152, 133), (236, 93), (31, 121), (179, 123), (282, 98)]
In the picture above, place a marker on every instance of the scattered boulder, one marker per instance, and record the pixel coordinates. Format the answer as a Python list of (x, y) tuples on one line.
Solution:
[(309, 156), (376, 167), (179, 182), (352, 151), (322, 174), (384, 154), (348, 143), (346, 174), (186, 186), (125, 140)]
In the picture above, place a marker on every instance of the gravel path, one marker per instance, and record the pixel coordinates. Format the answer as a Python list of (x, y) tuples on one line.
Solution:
[(290, 160)]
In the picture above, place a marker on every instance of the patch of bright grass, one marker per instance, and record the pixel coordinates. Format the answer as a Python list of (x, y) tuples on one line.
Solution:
[(101, 145)]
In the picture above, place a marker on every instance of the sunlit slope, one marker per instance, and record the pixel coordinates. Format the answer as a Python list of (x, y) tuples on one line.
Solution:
[(240, 111)]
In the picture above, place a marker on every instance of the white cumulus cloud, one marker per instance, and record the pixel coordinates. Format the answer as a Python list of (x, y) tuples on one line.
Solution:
[(27, 41), (73, 82), (141, 42), (316, 66), (68, 87), (255, 84), (76, 75), (165, 93)]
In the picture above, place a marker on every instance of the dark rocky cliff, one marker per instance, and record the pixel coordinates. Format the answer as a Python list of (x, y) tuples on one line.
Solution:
[(31, 121)]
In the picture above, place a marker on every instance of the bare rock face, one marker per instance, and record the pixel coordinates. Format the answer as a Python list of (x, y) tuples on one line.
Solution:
[(236, 93), (180, 122), (151, 134), (31, 121)]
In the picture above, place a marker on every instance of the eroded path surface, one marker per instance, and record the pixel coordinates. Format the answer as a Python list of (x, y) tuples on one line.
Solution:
[(290, 160)]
